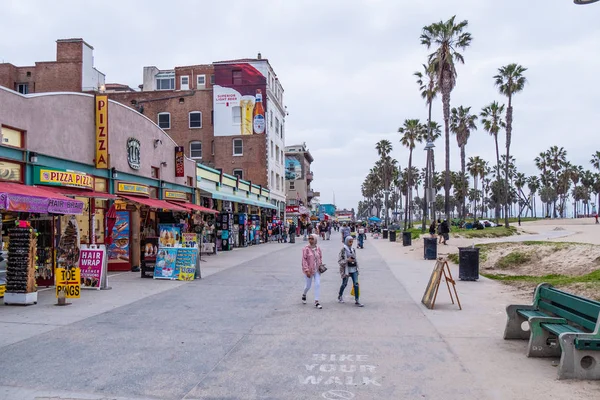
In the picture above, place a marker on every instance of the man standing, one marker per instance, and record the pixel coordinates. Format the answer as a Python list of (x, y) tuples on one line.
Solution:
[(345, 232)]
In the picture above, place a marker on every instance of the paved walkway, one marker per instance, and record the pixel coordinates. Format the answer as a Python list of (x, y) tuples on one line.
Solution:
[(242, 333)]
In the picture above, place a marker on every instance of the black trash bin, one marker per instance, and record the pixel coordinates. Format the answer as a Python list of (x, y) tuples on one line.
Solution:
[(430, 248), (385, 233), (392, 235), (468, 263), (406, 238)]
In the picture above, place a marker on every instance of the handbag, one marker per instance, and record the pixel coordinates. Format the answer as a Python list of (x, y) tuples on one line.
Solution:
[(322, 268), (352, 291)]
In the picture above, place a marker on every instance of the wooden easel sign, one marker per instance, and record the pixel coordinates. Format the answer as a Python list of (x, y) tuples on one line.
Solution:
[(441, 268)]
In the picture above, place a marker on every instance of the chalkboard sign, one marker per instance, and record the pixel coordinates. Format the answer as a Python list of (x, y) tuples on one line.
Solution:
[(441, 268)]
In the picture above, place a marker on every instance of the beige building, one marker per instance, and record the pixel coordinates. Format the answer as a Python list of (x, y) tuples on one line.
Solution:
[(298, 176)]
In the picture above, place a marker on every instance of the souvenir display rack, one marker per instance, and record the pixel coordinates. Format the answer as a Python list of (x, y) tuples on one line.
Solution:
[(20, 272)]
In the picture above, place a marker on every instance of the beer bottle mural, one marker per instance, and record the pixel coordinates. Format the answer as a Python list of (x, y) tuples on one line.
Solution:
[(247, 106), (259, 114)]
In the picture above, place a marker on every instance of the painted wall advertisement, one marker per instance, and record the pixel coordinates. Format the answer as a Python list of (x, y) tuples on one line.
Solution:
[(239, 101), (293, 167)]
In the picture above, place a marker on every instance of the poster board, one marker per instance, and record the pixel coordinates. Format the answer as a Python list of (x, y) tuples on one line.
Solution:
[(440, 269), (165, 263), (185, 265), (169, 235), (91, 264)]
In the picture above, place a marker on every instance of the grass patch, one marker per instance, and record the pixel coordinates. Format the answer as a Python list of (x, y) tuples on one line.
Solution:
[(453, 257), (513, 259), (553, 279), (415, 233), (487, 232)]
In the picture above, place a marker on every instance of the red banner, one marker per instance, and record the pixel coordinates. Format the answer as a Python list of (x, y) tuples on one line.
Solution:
[(291, 209), (179, 166)]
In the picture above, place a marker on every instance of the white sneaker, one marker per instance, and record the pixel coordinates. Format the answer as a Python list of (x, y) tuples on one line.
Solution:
[(341, 299)]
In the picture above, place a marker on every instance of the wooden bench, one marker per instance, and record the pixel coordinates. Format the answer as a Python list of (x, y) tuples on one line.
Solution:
[(560, 324)]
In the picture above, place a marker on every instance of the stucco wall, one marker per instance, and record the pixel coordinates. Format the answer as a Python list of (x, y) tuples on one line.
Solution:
[(62, 125)]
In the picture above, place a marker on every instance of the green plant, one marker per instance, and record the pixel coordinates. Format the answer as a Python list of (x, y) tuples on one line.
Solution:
[(513, 259), (453, 258), (553, 279)]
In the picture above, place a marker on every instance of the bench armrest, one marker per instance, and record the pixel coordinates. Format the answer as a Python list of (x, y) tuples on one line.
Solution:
[(513, 328)]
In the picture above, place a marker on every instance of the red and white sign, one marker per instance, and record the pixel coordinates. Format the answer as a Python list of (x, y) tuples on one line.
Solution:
[(291, 209)]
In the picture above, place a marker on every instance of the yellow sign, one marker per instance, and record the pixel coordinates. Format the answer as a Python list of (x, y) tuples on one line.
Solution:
[(175, 195), (133, 188), (64, 178), (69, 281), (101, 108)]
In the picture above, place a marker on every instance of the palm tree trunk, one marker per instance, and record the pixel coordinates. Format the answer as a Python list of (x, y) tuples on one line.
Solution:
[(508, 137), (497, 175), (464, 191), (408, 190), (446, 107)]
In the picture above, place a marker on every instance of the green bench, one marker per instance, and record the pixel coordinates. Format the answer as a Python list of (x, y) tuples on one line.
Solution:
[(560, 324)]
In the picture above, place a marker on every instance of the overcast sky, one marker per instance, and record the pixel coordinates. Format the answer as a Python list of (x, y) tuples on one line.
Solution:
[(346, 66)]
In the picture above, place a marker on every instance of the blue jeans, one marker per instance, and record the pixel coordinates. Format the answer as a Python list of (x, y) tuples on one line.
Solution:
[(361, 238), (354, 276)]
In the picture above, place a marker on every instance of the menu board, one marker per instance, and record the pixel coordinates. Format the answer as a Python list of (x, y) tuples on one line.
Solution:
[(186, 263), (165, 264), (189, 240), (169, 235)]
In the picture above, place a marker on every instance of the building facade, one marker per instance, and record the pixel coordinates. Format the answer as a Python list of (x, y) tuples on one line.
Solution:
[(298, 176), (73, 71)]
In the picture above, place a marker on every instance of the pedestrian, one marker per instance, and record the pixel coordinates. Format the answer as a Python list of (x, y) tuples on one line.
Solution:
[(445, 231), (285, 233), (345, 232), (311, 261), (361, 237), (519, 220), (439, 231), (328, 230), (596, 216), (432, 229), (349, 268)]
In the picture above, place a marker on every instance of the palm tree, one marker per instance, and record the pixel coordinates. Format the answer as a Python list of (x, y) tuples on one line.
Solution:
[(491, 119), (448, 38), (412, 131), (533, 183), (510, 80), (595, 161), (384, 148), (476, 167), (461, 124)]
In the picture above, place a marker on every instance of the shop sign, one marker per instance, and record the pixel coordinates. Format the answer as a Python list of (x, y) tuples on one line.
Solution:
[(179, 162), (62, 177), (292, 209), (170, 195), (101, 110), (91, 262), (68, 280), (42, 205), (133, 188), (133, 153)]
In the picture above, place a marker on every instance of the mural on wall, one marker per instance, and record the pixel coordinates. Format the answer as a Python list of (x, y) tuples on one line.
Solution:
[(239, 99), (293, 168)]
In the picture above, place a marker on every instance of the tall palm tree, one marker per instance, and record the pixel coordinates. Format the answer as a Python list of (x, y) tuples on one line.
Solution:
[(461, 124), (491, 119), (412, 132), (448, 38), (595, 161), (533, 183), (510, 81), (476, 167), (429, 90), (384, 148)]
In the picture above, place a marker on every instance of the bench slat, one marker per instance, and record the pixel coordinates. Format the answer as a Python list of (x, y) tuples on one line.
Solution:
[(588, 308), (531, 313), (557, 329), (571, 316)]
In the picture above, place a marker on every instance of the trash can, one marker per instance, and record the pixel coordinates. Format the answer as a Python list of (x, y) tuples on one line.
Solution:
[(430, 248), (385, 233), (392, 235), (406, 238), (468, 263), (292, 237)]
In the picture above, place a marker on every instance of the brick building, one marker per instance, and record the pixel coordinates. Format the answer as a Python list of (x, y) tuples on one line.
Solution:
[(73, 71)]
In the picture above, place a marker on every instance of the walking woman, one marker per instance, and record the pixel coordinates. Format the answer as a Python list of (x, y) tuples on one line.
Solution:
[(348, 268), (311, 261)]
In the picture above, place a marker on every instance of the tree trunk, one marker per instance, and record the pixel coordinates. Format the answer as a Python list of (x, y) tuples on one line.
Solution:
[(508, 137), (446, 107), (408, 189), (497, 176), (463, 183)]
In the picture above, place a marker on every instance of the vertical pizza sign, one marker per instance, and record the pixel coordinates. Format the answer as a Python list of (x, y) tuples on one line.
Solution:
[(101, 109), (179, 166)]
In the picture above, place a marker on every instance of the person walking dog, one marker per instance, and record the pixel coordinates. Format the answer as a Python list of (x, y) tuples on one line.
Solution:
[(349, 268), (311, 263)]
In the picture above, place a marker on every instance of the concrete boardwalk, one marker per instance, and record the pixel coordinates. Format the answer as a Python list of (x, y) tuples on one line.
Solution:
[(242, 333)]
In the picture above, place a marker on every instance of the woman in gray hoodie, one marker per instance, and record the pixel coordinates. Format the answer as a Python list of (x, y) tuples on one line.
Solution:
[(348, 268)]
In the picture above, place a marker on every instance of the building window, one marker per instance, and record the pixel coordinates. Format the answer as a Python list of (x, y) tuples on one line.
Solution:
[(238, 147), (201, 81), (196, 150), (195, 119), (277, 153), (212, 147), (292, 185), (23, 88), (272, 179), (165, 81), (237, 114), (281, 157), (277, 126), (277, 181), (282, 183), (292, 202), (271, 149), (164, 120), (155, 172), (271, 118), (239, 173), (236, 77), (212, 79), (185, 82)]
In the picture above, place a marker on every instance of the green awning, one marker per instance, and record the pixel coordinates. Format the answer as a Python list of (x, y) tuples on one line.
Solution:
[(239, 199)]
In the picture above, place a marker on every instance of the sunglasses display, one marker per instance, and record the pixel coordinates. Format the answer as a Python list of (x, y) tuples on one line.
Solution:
[(20, 267)]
